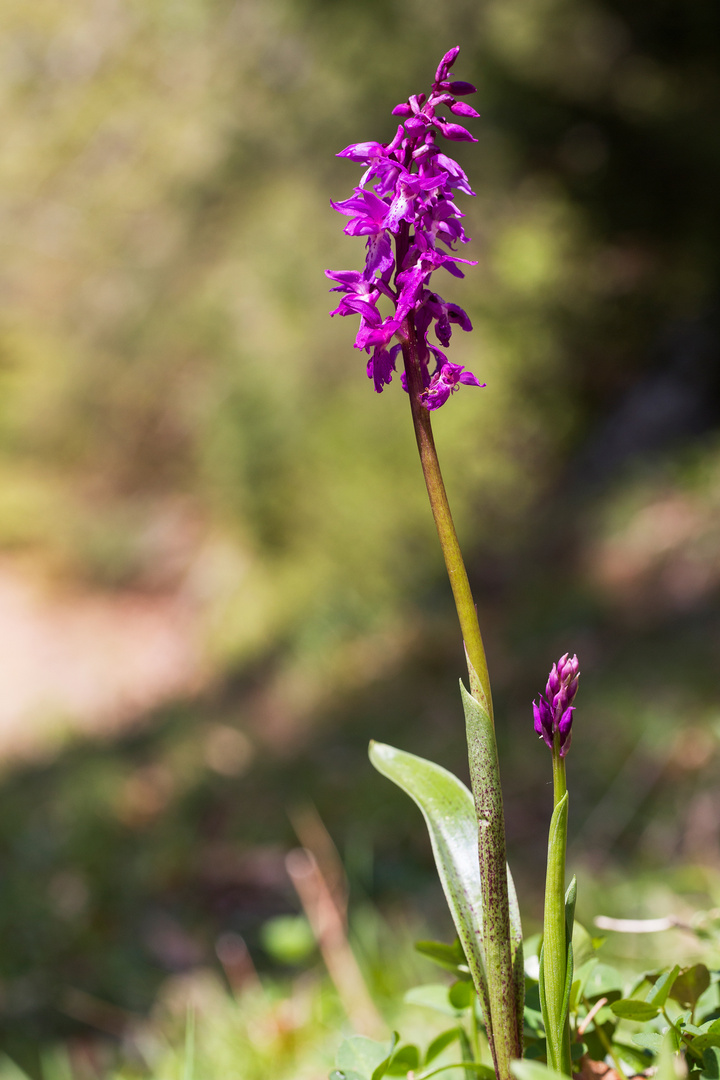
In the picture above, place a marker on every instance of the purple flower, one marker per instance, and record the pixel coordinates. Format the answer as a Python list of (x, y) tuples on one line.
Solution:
[(554, 711), (405, 207)]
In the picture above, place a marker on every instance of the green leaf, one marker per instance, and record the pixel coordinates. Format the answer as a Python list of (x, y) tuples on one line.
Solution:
[(711, 1063), (630, 1009), (360, 1056), (450, 957), (404, 1060), (382, 1068), (689, 985), (709, 1036), (431, 996), (461, 995), (559, 909), (650, 1040), (440, 1043), (534, 1070), (640, 1059), (449, 812), (577, 1049), (658, 995)]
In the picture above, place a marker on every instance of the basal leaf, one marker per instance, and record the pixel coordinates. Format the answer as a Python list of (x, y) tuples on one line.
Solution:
[(449, 812)]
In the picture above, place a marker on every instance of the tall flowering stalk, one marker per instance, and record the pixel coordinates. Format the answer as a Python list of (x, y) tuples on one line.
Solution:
[(405, 206)]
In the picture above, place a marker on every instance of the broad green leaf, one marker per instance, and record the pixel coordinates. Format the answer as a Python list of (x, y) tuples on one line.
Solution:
[(461, 995), (690, 984), (360, 1055), (449, 812), (534, 1070), (347, 1074), (440, 1043), (630, 1009), (431, 996), (658, 995)]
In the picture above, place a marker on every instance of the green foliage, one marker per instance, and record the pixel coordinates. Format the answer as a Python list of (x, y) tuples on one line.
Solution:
[(449, 813)]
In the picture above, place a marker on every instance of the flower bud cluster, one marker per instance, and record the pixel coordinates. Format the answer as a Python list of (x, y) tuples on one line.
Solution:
[(553, 713), (406, 195)]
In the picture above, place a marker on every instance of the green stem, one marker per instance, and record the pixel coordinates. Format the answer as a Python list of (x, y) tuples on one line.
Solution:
[(459, 583), (559, 780), (555, 944), (504, 1024)]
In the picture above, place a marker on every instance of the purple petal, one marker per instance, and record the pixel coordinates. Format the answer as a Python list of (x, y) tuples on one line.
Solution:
[(461, 108), (468, 379), (362, 152), (446, 63), (454, 132), (379, 255), (460, 88)]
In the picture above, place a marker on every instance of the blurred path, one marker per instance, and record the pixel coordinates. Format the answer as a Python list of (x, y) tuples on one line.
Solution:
[(73, 660)]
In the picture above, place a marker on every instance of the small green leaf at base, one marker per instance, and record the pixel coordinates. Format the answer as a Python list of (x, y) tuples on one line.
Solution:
[(630, 1009)]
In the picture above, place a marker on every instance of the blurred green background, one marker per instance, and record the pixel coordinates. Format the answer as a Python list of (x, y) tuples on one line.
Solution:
[(218, 573)]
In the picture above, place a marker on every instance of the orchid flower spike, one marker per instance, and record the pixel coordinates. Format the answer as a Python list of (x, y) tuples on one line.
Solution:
[(553, 713), (405, 208)]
